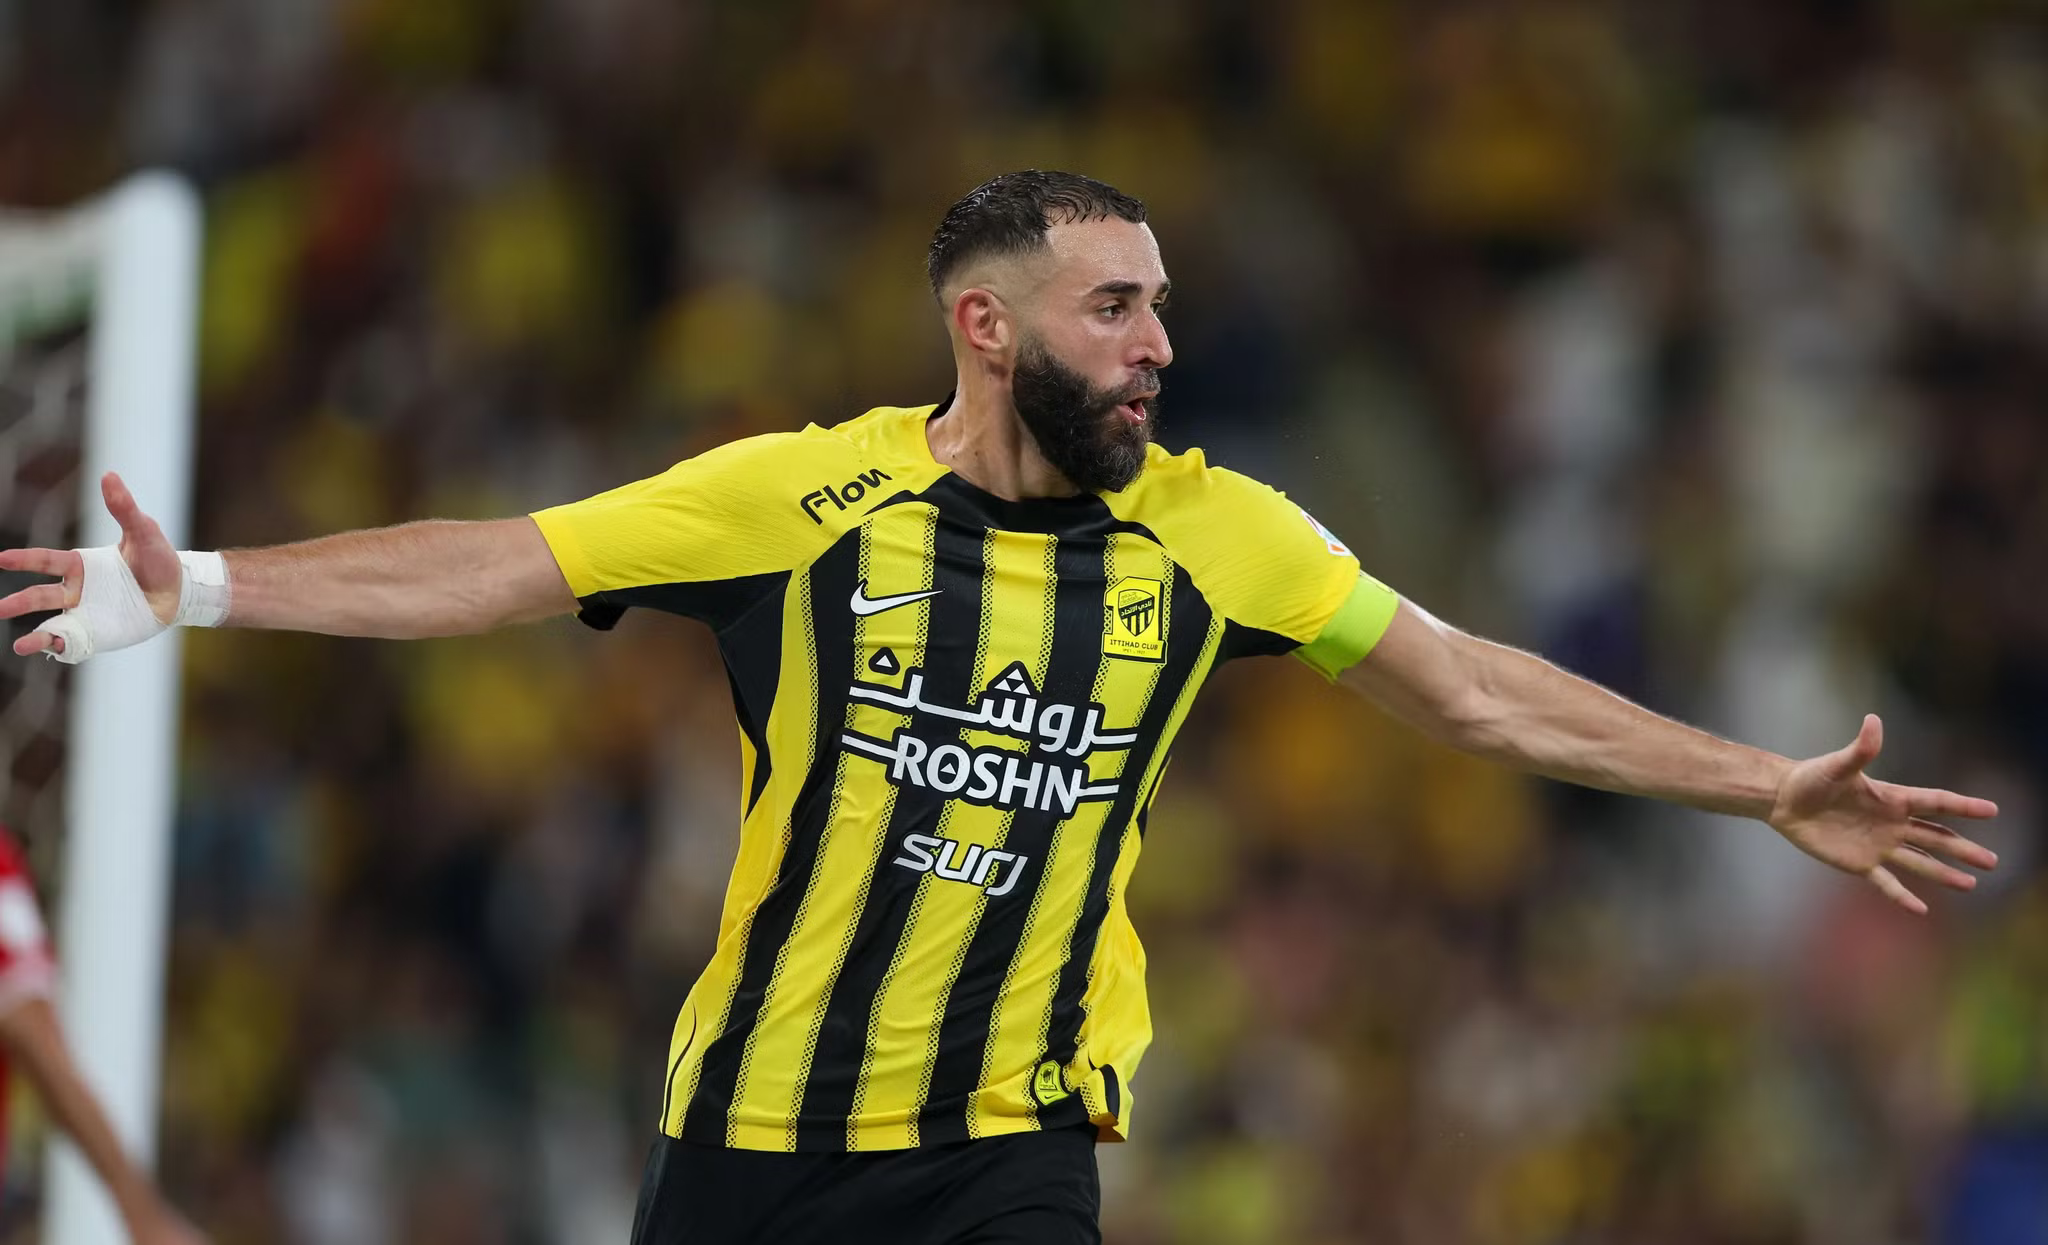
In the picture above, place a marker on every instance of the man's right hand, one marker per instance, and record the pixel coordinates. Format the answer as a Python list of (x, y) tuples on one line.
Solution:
[(148, 555), (432, 578)]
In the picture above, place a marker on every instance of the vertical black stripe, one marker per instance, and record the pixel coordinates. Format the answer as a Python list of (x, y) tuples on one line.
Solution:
[(753, 664), (1145, 813), (832, 579), (1189, 634), (752, 725), (959, 566), (965, 1033), (668, 1095)]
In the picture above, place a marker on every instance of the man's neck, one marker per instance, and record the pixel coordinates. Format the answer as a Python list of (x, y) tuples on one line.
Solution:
[(982, 440)]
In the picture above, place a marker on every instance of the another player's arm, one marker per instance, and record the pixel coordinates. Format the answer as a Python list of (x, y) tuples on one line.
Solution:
[(34, 1041), (1509, 706)]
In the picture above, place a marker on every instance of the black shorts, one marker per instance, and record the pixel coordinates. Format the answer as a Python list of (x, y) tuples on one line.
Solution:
[(1020, 1189)]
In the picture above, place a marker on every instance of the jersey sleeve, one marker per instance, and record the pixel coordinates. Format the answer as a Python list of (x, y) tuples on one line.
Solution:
[(27, 968), (708, 538), (1283, 580)]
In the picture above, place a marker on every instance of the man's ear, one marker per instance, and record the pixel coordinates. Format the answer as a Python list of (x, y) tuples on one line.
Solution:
[(983, 321)]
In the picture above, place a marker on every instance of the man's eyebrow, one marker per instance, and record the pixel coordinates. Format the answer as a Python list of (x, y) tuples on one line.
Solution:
[(1122, 289)]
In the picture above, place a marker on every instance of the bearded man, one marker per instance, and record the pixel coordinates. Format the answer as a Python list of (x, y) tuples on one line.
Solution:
[(961, 638)]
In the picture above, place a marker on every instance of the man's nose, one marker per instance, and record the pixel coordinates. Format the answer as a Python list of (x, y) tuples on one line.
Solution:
[(1153, 348)]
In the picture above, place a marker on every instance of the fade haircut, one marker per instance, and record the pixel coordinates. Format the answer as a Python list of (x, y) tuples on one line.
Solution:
[(1010, 214)]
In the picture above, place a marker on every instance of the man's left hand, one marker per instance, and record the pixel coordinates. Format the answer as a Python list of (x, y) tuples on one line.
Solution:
[(1833, 811)]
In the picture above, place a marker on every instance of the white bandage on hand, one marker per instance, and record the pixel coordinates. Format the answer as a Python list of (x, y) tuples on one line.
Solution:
[(111, 612)]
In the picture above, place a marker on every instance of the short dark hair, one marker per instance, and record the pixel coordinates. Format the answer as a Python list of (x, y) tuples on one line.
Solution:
[(1009, 215)]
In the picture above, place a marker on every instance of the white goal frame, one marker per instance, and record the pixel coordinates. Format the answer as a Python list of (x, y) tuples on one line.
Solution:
[(130, 261)]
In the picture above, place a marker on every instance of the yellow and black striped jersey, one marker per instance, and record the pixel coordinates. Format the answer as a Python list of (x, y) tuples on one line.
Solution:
[(954, 712)]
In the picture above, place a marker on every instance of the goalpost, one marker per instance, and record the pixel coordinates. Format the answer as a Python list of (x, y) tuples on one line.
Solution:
[(124, 267)]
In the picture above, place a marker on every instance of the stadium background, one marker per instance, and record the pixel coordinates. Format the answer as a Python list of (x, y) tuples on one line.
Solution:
[(1698, 344)]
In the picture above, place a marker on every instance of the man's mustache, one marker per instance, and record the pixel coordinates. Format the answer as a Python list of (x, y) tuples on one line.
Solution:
[(1147, 384)]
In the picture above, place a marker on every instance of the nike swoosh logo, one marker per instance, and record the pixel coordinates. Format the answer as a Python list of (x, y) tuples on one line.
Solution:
[(863, 604)]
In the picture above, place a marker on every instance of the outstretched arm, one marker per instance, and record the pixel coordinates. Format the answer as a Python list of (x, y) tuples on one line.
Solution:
[(32, 1037), (419, 579), (1508, 706), (408, 582)]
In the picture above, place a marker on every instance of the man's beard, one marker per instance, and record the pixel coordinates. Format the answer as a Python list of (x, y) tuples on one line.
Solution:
[(1077, 426)]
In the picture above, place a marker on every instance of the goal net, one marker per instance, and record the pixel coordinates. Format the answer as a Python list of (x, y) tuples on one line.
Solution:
[(97, 308), (42, 417)]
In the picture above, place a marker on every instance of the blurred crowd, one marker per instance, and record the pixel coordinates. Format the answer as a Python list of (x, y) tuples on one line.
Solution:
[(1700, 345)]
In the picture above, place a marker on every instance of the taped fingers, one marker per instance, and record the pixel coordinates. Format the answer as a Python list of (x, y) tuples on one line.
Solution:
[(37, 642), (111, 613), (70, 639)]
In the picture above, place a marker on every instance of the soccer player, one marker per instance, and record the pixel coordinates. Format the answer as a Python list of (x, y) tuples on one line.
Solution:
[(961, 638), (32, 1040)]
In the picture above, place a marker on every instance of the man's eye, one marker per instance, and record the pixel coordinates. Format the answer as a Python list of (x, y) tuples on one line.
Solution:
[(1112, 311)]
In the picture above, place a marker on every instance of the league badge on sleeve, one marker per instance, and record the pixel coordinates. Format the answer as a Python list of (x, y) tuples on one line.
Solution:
[(1336, 547)]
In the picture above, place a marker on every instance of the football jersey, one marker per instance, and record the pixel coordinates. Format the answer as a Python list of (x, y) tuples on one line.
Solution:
[(954, 712)]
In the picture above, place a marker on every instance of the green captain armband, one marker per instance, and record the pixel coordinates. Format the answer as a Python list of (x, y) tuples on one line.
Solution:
[(1351, 634)]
